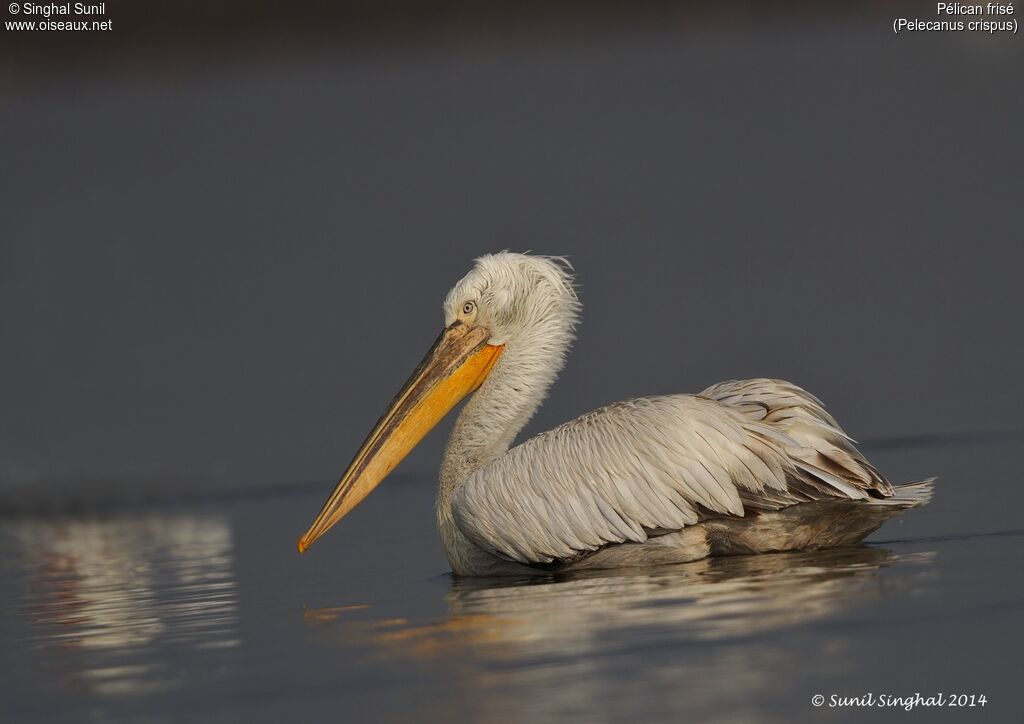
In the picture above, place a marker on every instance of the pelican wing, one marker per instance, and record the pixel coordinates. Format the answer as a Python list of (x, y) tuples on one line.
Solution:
[(803, 417), (653, 465)]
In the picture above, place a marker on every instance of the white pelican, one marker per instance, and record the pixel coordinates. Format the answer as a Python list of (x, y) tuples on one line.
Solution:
[(745, 466)]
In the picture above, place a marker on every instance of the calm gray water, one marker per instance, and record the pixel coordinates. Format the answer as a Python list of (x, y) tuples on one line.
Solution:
[(214, 274), (202, 610)]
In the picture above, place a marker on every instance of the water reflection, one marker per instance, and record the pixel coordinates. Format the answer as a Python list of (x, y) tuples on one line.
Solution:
[(683, 636), (710, 599), (105, 593)]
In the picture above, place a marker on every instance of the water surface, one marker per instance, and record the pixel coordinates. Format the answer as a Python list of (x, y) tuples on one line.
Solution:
[(202, 610)]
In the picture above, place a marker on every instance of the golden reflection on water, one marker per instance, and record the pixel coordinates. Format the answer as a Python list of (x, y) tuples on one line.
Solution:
[(106, 591), (534, 649)]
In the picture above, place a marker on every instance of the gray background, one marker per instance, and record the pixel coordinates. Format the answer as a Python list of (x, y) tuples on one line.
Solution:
[(226, 230), (220, 271)]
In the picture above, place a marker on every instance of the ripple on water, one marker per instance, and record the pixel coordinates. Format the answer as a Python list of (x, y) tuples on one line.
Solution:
[(105, 593)]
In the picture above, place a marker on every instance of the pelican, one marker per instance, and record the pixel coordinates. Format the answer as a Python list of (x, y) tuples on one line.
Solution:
[(746, 466)]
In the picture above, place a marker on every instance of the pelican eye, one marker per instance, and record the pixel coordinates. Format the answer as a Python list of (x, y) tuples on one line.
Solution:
[(468, 308)]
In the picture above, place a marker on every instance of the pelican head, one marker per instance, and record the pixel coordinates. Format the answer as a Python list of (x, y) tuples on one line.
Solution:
[(509, 321)]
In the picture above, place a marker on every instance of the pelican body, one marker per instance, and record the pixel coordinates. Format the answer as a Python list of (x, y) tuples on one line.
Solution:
[(747, 466)]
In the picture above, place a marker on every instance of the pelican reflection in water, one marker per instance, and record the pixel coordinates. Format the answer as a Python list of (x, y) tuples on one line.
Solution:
[(711, 599), (745, 466), (692, 634)]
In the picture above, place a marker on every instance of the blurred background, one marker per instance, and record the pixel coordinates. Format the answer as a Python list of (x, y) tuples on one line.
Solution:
[(226, 228)]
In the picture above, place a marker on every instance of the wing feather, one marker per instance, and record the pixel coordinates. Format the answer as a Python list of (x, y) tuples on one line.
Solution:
[(653, 465)]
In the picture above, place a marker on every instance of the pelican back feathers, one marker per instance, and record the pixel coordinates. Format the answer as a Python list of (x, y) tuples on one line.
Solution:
[(652, 466)]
